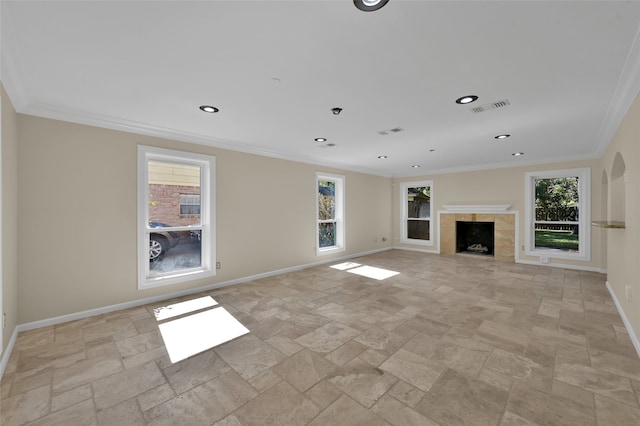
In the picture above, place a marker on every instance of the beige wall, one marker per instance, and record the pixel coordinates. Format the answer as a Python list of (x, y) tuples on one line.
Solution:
[(9, 217), (623, 259), (77, 201), (77, 246), (499, 186)]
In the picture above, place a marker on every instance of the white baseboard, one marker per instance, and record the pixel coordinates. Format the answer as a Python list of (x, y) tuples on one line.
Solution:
[(139, 302), (7, 352), (632, 334), (563, 266), (431, 251)]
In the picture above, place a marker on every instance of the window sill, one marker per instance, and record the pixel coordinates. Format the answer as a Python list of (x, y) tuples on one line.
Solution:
[(183, 277), (609, 224), (558, 254), (328, 250), (417, 242)]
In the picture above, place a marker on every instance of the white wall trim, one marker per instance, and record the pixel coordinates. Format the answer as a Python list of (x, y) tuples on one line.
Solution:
[(340, 219), (139, 302), (626, 92), (563, 266), (516, 213), (477, 208), (7, 352), (584, 221), (207, 223), (404, 238), (61, 113), (416, 249), (632, 334), (11, 72)]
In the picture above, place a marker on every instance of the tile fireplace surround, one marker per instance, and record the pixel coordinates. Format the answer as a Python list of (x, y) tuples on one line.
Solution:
[(505, 230)]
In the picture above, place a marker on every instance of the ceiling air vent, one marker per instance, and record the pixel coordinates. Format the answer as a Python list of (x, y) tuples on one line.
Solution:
[(394, 130), (493, 105)]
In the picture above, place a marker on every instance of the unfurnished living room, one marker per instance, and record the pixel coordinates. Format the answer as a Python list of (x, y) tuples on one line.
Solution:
[(347, 212)]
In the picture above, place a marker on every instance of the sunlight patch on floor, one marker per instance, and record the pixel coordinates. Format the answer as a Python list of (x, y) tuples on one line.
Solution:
[(344, 266), (366, 271), (196, 330), (373, 272), (181, 308)]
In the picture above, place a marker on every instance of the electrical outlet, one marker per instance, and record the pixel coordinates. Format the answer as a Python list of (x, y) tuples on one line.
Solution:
[(218, 266), (627, 292), (544, 260), (4, 320)]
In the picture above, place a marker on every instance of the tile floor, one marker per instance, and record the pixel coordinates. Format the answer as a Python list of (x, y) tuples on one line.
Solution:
[(448, 341)]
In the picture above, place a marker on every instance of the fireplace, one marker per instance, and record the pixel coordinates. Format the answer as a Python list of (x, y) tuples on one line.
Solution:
[(475, 238), (504, 224)]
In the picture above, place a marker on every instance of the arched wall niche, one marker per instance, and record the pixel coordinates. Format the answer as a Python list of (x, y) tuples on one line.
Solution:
[(617, 189)]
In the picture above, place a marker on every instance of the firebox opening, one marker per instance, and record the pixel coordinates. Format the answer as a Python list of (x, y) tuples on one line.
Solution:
[(475, 238)]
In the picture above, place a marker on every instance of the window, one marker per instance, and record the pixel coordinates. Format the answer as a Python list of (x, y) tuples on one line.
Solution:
[(557, 214), (175, 244), (330, 213), (417, 210), (190, 205)]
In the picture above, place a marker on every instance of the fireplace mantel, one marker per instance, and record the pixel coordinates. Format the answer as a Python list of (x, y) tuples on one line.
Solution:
[(477, 208)]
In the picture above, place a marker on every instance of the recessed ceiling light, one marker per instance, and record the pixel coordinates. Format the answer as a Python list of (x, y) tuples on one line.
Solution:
[(369, 5), (517, 154), (501, 136), (466, 99), (432, 150), (382, 157), (320, 139), (416, 166), (209, 108)]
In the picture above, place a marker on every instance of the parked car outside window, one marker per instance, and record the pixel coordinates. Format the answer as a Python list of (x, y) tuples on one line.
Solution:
[(161, 242)]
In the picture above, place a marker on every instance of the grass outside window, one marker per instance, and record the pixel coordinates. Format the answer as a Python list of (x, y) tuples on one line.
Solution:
[(556, 239)]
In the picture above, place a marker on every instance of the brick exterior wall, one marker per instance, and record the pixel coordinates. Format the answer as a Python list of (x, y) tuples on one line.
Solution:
[(164, 204)]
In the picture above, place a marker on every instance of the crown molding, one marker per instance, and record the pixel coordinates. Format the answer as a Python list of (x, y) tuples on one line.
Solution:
[(625, 94), (9, 68), (500, 165), (56, 112)]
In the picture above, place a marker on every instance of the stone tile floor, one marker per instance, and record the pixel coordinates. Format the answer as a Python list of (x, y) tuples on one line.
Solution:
[(448, 341)]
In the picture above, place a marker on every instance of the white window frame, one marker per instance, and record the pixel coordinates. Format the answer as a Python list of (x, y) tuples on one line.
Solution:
[(339, 214), (207, 211), (584, 213), (404, 200)]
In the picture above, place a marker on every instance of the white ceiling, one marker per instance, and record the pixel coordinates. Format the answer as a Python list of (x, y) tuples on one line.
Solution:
[(569, 70)]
